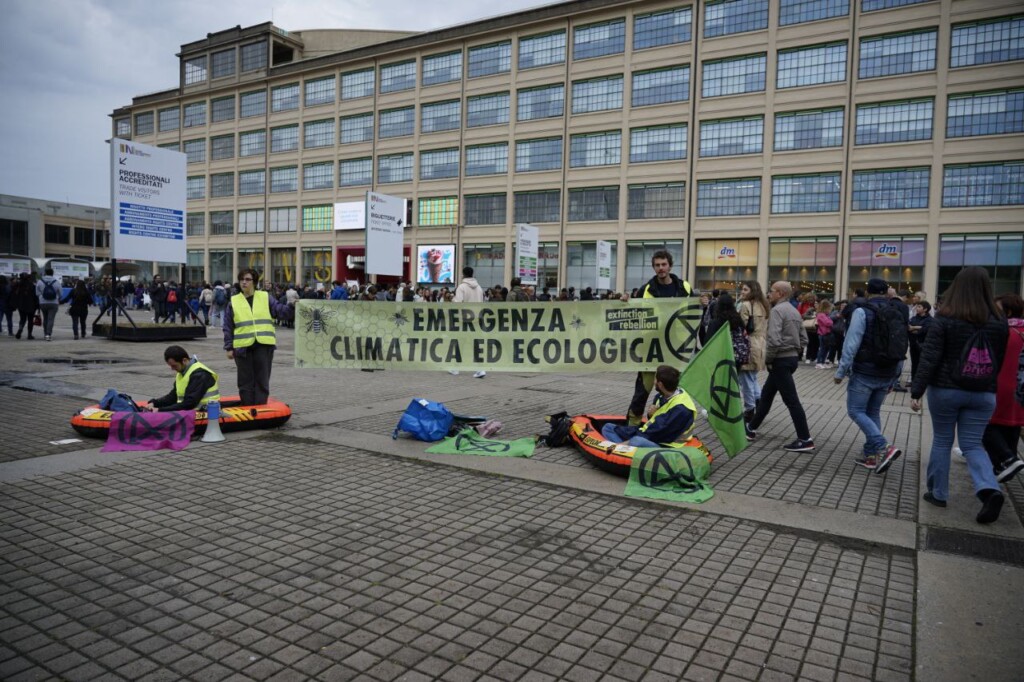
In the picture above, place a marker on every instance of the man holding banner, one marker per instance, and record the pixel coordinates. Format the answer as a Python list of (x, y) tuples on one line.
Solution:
[(664, 284)]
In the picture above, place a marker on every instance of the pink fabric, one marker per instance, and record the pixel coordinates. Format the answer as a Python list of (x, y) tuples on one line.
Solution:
[(137, 431), (824, 324)]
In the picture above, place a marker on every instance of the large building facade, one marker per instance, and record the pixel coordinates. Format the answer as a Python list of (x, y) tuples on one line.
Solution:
[(820, 141)]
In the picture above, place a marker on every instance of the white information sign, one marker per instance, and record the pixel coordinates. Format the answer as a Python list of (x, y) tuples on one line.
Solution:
[(147, 202), (72, 270), (527, 242), (350, 215), (604, 265), (15, 266), (385, 228)]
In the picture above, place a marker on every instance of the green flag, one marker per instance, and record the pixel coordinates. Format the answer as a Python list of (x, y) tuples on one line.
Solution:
[(469, 442), (711, 379), (670, 474)]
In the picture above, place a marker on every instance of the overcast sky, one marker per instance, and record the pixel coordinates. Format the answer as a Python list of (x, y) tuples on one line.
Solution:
[(65, 65)]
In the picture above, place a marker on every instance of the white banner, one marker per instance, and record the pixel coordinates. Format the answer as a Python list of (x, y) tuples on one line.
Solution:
[(527, 241), (604, 265), (13, 267), (350, 215), (73, 270), (385, 227), (147, 202)]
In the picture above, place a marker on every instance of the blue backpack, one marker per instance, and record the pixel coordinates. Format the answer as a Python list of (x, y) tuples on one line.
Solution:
[(118, 402), (425, 420)]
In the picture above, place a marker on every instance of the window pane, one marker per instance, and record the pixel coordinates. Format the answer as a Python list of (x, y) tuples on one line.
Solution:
[(316, 219), (485, 209), (812, 65), (395, 77), (195, 224), (662, 28), (194, 114), (890, 189), (542, 50), (358, 128), (144, 123), (252, 182), (440, 116), (734, 76), (598, 94), (726, 17), (817, 193), (284, 219), (442, 68), (987, 42), (254, 56), (222, 185), (656, 201), (355, 172), (438, 211), (895, 54), (983, 184), (595, 149), (394, 168), (222, 109), (543, 102), (123, 127), (872, 5), (284, 139), (169, 119), (318, 176), (195, 187), (397, 122), (487, 110), (809, 129), (596, 40), (284, 97), (222, 223), (224, 63), (535, 155), (487, 159), (983, 113), (319, 91), (252, 143), (284, 179), (222, 147), (195, 70), (800, 11), (659, 86), (894, 122), (731, 136), (357, 84), (195, 150), (537, 207), (593, 203), (487, 60), (318, 134), (253, 104), (658, 143), (439, 163), (729, 197)]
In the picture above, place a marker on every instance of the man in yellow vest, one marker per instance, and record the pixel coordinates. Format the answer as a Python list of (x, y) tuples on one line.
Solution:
[(249, 337), (195, 384), (669, 420)]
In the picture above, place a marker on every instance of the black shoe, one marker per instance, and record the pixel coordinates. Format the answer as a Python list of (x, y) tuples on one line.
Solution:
[(1009, 469), (748, 415), (800, 445), (891, 454), (992, 504), (898, 389), (931, 499), (18, 335), (751, 433)]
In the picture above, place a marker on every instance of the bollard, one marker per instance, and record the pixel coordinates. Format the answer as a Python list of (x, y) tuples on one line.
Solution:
[(213, 433)]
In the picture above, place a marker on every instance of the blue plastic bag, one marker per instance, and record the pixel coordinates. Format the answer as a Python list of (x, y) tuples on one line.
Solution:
[(425, 420), (118, 402)]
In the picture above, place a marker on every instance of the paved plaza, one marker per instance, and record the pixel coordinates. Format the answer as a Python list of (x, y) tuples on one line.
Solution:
[(326, 550)]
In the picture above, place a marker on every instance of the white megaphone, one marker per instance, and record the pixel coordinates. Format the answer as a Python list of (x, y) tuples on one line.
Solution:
[(213, 433)]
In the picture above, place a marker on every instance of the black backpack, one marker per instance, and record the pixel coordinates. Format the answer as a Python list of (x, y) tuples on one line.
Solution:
[(50, 290), (559, 433), (890, 334)]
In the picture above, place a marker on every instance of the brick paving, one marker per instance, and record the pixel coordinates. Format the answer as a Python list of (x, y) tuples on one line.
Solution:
[(275, 558)]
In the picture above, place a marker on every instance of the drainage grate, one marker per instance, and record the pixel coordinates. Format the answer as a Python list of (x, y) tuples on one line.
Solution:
[(1002, 550)]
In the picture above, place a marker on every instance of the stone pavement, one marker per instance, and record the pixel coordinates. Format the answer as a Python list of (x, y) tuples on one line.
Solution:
[(326, 550)]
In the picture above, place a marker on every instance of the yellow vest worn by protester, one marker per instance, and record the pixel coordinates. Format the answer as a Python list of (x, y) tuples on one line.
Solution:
[(680, 398), (252, 325), (181, 383)]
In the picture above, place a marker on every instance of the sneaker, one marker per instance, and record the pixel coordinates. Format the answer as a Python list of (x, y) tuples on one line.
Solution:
[(480, 375), (867, 461), (807, 362), (751, 433), (991, 507), (931, 499), (454, 372), (957, 452), (48, 338), (818, 365), (1009, 469), (800, 446), (892, 453), (828, 365)]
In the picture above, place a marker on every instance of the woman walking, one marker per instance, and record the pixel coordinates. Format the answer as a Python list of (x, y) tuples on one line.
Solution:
[(26, 301), (754, 311), (1003, 430), (79, 309), (958, 367)]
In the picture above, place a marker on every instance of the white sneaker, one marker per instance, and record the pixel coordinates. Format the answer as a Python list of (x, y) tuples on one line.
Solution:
[(454, 372), (480, 375), (818, 365), (807, 362), (959, 453)]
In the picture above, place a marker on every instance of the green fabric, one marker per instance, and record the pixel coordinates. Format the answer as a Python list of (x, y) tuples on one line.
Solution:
[(711, 379), (469, 442), (679, 474)]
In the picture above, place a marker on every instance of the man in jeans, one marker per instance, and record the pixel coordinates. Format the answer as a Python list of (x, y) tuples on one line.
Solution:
[(48, 291), (870, 381), (786, 341)]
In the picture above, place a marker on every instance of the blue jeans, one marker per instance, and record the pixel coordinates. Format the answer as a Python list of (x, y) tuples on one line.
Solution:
[(750, 388), (610, 432), (824, 346), (964, 414), (864, 397)]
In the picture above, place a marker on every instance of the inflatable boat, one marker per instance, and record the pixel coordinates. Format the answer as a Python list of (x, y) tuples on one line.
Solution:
[(94, 422), (616, 458)]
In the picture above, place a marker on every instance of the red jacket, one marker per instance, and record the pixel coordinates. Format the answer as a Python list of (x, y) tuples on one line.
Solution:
[(1008, 411)]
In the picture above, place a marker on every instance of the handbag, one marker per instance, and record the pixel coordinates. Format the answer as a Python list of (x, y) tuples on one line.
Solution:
[(810, 324), (37, 320)]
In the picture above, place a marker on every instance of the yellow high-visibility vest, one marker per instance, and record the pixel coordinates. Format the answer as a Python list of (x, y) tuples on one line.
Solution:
[(681, 398), (252, 325), (181, 383)]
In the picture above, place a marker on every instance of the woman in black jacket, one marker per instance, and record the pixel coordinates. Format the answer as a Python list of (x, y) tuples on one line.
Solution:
[(920, 323), (26, 301), (967, 340), (79, 309)]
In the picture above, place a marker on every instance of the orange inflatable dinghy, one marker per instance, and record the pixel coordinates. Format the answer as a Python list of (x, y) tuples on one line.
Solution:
[(94, 422), (616, 458)]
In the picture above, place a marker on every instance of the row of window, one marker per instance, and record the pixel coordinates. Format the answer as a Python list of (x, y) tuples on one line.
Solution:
[(893, 54), (964, 185)]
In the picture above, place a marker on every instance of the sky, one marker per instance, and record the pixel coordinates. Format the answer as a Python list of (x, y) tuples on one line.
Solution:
[(65, 65)]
